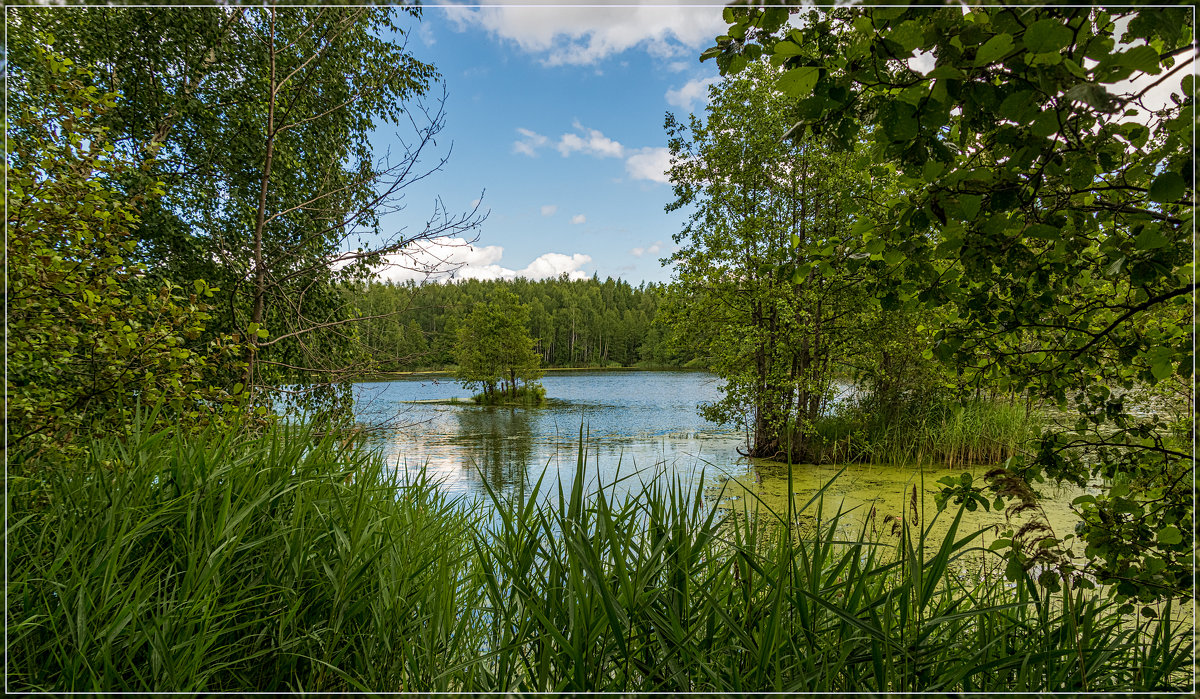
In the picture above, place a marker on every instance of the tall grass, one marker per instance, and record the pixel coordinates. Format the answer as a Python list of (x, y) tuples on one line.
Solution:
[(282, 563), (978, 432), (226, 562)]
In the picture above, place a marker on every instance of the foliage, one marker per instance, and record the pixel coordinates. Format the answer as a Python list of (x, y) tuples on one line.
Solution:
[(226, 563), (768, 268), (85, 340), (260, 120), (573, 322), (283, 562), (1049, 205), (495, 351), (939, 429)]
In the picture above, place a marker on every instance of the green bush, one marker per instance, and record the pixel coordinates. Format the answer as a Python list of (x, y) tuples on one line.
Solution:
[(87, 337), (939, 430)]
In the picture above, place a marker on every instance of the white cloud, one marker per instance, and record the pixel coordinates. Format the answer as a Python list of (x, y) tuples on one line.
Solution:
[(529, 143), (549, 209), (425, 33), (572, 35), (553, 264), (694, 91), (455, 258), (592, 142), (649, 164), (654, 248), (578, 218)]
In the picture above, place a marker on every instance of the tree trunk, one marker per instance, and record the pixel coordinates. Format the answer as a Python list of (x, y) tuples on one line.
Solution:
[(260, 271)]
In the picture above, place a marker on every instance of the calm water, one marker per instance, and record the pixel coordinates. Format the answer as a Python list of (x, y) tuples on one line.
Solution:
[(634, 421)]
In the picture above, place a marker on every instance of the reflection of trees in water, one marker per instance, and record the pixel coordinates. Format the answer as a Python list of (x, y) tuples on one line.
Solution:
[(499, 443)]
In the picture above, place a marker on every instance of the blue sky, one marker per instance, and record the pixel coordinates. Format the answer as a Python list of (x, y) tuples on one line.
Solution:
[(556, 116)]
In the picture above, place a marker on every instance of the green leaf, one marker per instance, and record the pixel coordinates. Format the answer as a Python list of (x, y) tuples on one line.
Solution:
[(798, 83), (909, 35), (969, 205), (1160, 361), (1045, 124), (1143, 58), (1042, 231), (788, 48), (1167, 187), (945, 71), (994, 49), (1082, 175), (899, 122), (1093, 95), (1047, 35), (1169, 535), (1019, 107), (1151, 238)]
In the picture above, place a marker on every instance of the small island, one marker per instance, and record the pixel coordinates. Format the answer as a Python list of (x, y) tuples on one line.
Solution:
[(495, 354)]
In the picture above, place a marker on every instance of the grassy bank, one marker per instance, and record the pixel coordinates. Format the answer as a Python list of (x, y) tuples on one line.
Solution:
[(280, 562), (978, 432)]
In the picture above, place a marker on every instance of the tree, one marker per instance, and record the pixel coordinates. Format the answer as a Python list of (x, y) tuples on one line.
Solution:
[(260, 119), (494, 350), (82, 347), (767, 268), (1049, 206)]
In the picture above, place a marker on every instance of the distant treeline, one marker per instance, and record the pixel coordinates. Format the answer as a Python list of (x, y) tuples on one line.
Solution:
[(573, 323)]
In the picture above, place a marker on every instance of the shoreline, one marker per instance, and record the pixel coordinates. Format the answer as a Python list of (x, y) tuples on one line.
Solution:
[(390, 375)]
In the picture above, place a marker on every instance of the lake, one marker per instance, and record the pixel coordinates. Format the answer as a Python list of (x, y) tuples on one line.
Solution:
[(636, 422), (633, 421)]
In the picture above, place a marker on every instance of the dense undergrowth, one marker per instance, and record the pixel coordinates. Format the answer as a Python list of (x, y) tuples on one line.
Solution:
[(234, 562)]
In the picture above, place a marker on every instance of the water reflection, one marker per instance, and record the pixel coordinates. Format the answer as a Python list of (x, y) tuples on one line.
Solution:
[(499, 442), (631, 420)]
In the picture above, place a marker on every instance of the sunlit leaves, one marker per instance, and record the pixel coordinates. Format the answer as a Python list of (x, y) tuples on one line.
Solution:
[(1046, 207), (798, 82), (1046, 35), (89, 338)]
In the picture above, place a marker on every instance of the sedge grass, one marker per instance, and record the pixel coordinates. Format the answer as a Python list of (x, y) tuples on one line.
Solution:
[(977, 432), (280, 562)]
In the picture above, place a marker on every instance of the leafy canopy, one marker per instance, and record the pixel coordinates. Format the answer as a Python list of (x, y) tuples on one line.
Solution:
[(84, 342), (1049, 203)]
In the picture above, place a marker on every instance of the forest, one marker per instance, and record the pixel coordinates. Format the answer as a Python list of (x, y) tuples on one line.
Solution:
[(573, 323), (956, 241)]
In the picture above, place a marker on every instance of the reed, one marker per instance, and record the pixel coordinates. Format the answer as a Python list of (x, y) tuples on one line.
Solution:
[(226, 562), (280, 562), (978, 432)]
